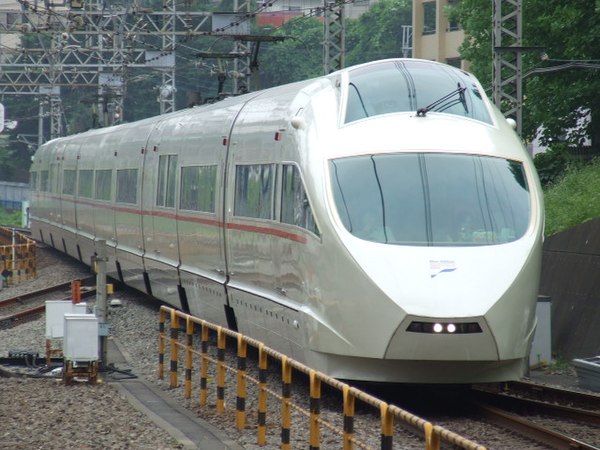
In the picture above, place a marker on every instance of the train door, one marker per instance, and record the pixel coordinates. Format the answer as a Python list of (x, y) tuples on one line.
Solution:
[(100, 218), (129, 165), (54, 198), (202, 161), (68, 193), (159, 220), (251, 228)]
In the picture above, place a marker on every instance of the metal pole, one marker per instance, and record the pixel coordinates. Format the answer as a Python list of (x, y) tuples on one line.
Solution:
[(101, 303)]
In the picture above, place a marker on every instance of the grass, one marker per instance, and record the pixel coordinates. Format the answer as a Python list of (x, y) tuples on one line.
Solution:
[(573, 199), (10, 219)]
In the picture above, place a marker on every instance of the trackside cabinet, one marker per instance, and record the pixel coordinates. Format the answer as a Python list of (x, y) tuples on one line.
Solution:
[(55, 320), (81, 347)]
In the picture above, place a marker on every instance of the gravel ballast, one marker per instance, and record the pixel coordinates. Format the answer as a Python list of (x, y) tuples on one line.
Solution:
[(44, 413)]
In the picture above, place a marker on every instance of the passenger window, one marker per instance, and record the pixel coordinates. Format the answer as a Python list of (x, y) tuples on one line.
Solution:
[(198, 184), (127, 185), (69, 177), (44, 181), (85, 183), (167, 181), (254, 191), (53, 179), (103, 184), (33, 181), (295, 208)]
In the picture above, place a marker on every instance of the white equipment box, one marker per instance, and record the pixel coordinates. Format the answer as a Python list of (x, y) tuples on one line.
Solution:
[(55, 316), (81, 337)]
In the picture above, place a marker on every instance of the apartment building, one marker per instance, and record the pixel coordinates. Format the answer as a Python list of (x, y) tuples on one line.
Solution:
[(434, 37)]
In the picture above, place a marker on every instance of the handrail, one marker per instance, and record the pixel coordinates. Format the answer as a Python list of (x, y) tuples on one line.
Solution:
[(433, 434)]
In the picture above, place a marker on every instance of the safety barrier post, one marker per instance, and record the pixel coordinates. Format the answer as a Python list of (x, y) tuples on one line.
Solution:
[(161, 343), (240, 417), (286, 408), (174, 349), (432, 439), (204, 365), (221, 337), (349, 402), (315, 411), (76, 291), (262, 395), (189, 337), (387, 427)]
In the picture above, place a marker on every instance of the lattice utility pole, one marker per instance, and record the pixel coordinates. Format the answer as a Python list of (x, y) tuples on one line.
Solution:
[(335, 36), (93, 43), (508, 64)]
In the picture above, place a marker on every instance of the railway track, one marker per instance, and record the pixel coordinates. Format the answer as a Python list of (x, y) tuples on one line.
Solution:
[(28, 306), (561, 419)]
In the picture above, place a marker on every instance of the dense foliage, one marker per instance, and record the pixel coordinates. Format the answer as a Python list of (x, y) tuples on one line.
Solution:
[(573, 199), (561, 83)]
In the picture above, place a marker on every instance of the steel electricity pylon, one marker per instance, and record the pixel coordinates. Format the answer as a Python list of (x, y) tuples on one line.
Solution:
[(507, 40), (79, 43)]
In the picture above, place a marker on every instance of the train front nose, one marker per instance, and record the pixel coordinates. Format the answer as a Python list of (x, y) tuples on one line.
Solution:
[(429, 339)]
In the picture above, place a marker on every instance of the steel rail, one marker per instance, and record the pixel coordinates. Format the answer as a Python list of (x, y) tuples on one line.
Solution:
[(29, 313), (504, 400), (531, 430), (549, 393), (31, 295)]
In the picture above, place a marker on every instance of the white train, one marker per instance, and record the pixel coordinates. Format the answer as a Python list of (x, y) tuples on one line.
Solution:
[(382, 223)]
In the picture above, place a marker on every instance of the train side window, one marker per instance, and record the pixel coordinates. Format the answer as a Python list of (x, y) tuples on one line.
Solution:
[(198, 184), (85, 187), (53, 178), (33, 181), (69, 178), (127, 185), (167, 171), (44, 181), (254, 191), (295, 207), (103, 184)]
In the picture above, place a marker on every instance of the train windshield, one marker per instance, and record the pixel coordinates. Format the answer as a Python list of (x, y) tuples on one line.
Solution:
[(432, 199), (413, 85)]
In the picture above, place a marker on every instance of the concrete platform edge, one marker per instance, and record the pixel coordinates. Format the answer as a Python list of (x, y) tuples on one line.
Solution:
[(182, 439)]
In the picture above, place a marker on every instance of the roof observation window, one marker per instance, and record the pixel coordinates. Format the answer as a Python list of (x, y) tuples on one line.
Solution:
[(410, 85)]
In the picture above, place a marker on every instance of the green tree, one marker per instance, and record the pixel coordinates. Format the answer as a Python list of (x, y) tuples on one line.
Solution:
[(377, 34), (298, 57), (569, 32)]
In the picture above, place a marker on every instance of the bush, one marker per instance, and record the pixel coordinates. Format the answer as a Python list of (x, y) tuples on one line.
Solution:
[(574, 198)]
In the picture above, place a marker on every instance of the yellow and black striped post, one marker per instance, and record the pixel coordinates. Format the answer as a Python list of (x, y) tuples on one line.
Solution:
[(387, 427), (174, 349), (315, 411), (189, 343), (262, 395), (432, 439), (349, 405), (240, 417), (161, 343), (204, 365), (286, 407), (221, 338)]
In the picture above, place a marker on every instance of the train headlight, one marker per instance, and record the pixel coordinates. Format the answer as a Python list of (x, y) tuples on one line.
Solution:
[(444, 327)]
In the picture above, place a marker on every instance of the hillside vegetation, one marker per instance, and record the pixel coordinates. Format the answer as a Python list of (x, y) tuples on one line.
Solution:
[(573, 199)]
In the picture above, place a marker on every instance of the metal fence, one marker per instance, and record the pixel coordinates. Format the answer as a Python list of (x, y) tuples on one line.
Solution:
[(433, 435), (18, 255)]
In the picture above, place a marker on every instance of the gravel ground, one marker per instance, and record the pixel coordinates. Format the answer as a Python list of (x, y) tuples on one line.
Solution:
[(43, 413)]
